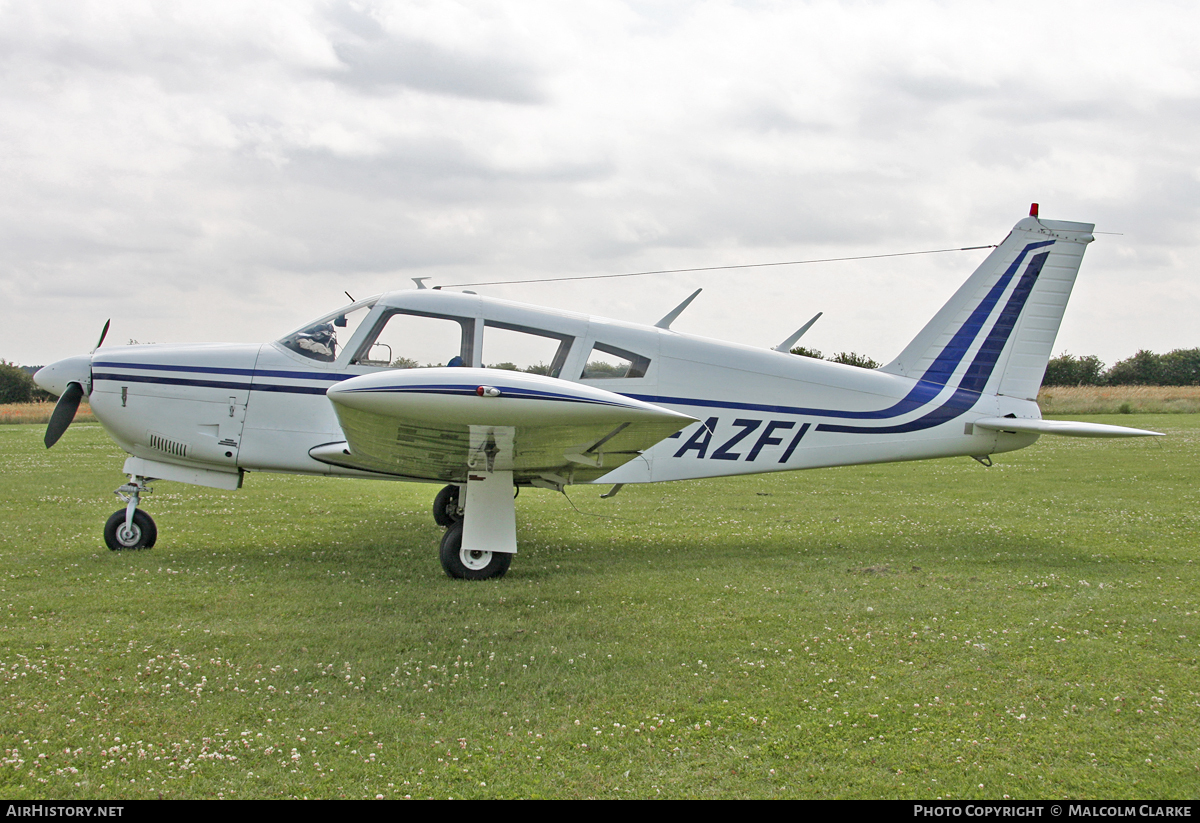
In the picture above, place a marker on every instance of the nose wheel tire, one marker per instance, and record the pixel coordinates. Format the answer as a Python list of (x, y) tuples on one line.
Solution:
[(446, 511), (465, 564), (141, 534)]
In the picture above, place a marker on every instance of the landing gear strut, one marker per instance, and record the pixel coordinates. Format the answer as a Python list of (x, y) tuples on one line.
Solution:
[(130, 528)]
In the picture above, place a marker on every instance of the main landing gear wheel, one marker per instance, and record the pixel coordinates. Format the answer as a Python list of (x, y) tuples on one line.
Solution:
[(141, 534), (446, 511), (465, 564)]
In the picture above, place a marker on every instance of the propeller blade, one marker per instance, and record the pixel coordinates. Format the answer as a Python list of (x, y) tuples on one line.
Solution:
[(103, 333), (64, 413)]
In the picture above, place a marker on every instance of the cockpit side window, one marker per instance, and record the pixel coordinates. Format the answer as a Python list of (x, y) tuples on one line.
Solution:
[(608, 362), (322, 340), (411, 340)]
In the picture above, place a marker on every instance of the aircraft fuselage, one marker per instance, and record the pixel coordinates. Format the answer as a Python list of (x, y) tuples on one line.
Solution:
[(227, 408)]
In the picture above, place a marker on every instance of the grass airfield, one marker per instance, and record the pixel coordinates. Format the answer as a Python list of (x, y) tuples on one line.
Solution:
[(920, 630)]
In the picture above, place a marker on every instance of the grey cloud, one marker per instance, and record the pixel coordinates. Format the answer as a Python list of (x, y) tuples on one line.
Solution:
[(1160, 212), (767, 117), (934, 89), (377, 62), (1032, 105), (403, 62), (433, 170)]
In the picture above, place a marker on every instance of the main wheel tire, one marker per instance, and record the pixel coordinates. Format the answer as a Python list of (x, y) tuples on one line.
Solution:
[(140, 535), (470, 565), (446, 511)]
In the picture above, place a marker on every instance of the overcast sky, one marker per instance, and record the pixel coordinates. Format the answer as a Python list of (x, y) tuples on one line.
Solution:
[(223, 171)]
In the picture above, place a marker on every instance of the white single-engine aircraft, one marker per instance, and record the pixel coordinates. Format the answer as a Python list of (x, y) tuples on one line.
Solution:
[(613, 402)]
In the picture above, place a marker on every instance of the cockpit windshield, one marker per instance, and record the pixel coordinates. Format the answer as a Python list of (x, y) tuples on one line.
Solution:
[(323, 340)]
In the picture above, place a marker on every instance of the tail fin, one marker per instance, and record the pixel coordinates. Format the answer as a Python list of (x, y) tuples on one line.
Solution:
[(996, 334)]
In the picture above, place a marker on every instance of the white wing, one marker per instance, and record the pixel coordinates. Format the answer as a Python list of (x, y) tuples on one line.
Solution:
[(438, 424)]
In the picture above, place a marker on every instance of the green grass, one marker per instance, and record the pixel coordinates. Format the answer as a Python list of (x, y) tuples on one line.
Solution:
[(914, 630)]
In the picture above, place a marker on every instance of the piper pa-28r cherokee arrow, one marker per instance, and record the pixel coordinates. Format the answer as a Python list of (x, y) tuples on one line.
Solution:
[(611, 402)]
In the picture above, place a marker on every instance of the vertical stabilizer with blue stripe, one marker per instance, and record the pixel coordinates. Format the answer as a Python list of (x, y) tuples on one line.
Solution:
[(996, 333)]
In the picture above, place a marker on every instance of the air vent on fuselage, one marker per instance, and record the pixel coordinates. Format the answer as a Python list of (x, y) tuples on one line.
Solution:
[(165, 444)]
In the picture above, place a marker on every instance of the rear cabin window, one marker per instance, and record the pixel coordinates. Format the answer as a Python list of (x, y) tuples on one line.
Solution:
[(608, 362), (521, 348), (405, 340)]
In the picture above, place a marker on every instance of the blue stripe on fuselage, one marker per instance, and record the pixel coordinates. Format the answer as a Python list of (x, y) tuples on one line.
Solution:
[(935, 378), (207, 384), (293, 375), (942, 369), (256, 374), (978, 373), (170, 381)]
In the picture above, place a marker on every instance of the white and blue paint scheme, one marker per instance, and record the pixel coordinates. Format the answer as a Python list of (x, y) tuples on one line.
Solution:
[(610, 402)]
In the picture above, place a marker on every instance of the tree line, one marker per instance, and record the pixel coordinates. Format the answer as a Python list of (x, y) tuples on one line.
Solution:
[(1180, 367), (17, 386), (849, 358)]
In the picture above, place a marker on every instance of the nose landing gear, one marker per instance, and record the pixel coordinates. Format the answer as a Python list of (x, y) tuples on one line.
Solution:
[(130, 528)]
